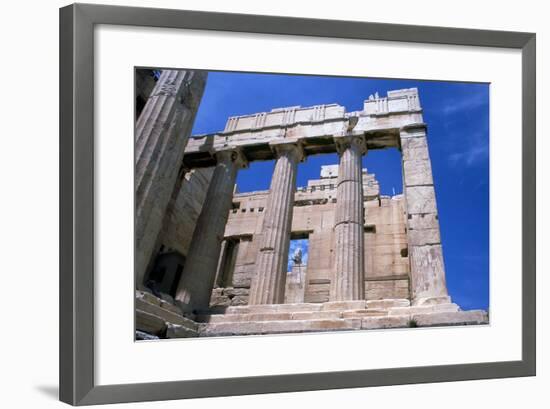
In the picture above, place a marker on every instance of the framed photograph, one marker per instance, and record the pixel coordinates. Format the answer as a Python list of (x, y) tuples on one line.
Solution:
[(322, 204)]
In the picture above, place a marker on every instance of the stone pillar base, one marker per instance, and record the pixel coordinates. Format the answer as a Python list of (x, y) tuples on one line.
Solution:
[(432, 301)]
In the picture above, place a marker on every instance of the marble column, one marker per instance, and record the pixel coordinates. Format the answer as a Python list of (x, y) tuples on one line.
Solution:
[(268, 285), (348, 280), (199, 273), (161, 135), (424, 242)]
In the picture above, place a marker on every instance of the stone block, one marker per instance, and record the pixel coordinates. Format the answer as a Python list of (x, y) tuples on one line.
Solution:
[(166, 315), (413, 132), (344, 305), (232, 292), (239, 300), (280, 316), (316, 315), (427, 271), (473, 317), (148, 297), (180, 331), (389, 303), (423, 221), (315, 281), (220, 301), (386, 289), (278, 327), (273, 308), (414, 148), (417, 172), (432, 300), (170, 307), (385, 322), (241, 282), (424, 237), (144, 336), (149, 323), (318, 298), (226, 318), (364, 313), (217, 292), (426, 309), (167, 299), (420, 199)]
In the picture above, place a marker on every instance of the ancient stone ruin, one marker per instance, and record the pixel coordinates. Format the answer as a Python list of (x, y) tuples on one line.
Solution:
[(211, 261)]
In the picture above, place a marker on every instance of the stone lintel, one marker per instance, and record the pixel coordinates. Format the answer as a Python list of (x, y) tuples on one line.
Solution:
[(413, 130)]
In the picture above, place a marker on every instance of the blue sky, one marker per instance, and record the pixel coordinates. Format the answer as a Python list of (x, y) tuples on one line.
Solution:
[(457, 115)]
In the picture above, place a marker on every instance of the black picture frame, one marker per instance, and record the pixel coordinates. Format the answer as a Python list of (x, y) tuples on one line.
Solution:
[(76, 332)]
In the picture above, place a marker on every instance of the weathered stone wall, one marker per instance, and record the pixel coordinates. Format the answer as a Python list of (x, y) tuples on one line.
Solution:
[(296, 284), (177, 233), (174, 239), (386, 255), (386, 259)]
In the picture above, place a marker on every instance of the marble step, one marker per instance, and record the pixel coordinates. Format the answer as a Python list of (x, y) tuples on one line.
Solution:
[(288, 316), (472, 317), (277, 327), (426, 319), (450, 307), (311, 307)]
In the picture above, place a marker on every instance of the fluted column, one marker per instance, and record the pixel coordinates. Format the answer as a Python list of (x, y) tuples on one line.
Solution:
[(199, 273), (268, 285), (348, 280), (162, 131)]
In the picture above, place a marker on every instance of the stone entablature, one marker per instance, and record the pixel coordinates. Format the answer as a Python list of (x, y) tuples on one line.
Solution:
[(397, 102), (315, 127), (280, 117)]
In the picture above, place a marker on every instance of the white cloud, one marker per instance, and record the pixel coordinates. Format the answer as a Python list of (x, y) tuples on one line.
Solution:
[(470, 157), (468, 102)]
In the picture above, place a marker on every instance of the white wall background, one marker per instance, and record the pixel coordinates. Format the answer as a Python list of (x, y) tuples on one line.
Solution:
[(29, 221)]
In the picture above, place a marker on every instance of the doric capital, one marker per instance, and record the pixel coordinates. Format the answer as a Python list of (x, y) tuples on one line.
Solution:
[(229, 155), (293, 148), (344, 142)]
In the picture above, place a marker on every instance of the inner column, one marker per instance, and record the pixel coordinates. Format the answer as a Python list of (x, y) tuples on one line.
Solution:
[(199, 273), (268, 285), (348, 280)]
